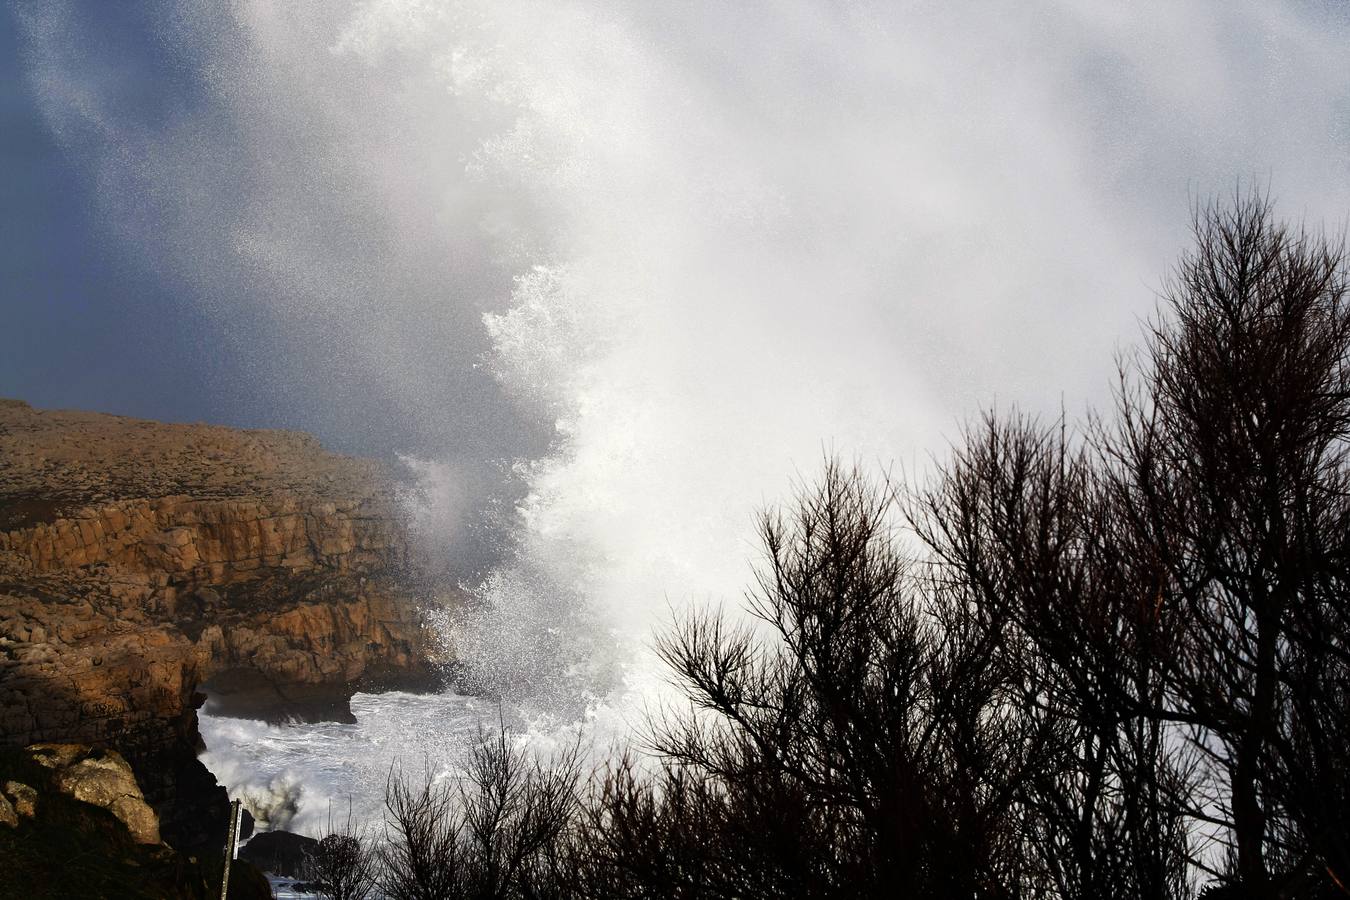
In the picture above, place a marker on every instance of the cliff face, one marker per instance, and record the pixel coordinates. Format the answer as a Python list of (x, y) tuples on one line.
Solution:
[(139, 559)]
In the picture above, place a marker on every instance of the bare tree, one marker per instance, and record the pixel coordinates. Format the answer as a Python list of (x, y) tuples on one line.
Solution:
[(502, 835), (1102, 651), (517, 810), (343, 865), (1230, 461), (866, 743), (422, 856), (1022, 532)]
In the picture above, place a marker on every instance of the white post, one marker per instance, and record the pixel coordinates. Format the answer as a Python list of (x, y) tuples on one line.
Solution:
[(230, 838)]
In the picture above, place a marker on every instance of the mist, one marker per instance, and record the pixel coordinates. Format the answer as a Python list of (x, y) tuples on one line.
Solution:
[(611, 276)]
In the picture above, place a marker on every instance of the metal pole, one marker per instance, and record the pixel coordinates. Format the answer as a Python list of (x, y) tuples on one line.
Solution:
[(230, 838)]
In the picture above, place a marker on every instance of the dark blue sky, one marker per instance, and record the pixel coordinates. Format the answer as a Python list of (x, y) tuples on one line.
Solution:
[(97, 313), (82, 326)]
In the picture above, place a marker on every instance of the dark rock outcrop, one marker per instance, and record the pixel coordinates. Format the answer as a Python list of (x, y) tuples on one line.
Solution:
[(279, 852), (138, 559), (80, 828)]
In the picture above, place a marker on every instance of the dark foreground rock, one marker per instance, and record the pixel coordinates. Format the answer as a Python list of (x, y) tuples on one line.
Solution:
[(279, 852), (101, 778), (138, 560), (73, 823)]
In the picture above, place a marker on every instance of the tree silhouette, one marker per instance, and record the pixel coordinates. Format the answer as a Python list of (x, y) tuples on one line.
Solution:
[(1229, 460), (1100, 664)]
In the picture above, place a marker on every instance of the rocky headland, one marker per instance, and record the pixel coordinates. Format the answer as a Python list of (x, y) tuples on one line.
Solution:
[(140, 561)]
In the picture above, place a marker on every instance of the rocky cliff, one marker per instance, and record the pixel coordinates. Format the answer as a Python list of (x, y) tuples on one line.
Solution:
[(140, 559)]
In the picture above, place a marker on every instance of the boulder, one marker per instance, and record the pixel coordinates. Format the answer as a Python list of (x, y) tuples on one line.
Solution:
[(100, 778), (24, 798)]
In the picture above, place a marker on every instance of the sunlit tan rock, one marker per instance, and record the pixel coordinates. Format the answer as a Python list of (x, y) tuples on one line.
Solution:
[(139, 558), (100, 778)]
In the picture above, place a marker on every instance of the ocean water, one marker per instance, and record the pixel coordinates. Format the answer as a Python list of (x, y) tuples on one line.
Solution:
[(297, 776), (308, 777), (281, 889)]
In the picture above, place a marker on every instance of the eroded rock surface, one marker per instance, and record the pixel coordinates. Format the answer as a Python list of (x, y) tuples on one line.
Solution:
[(137, 559)]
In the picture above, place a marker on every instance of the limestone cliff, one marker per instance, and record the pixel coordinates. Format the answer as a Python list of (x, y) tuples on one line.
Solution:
[(140, 559)]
